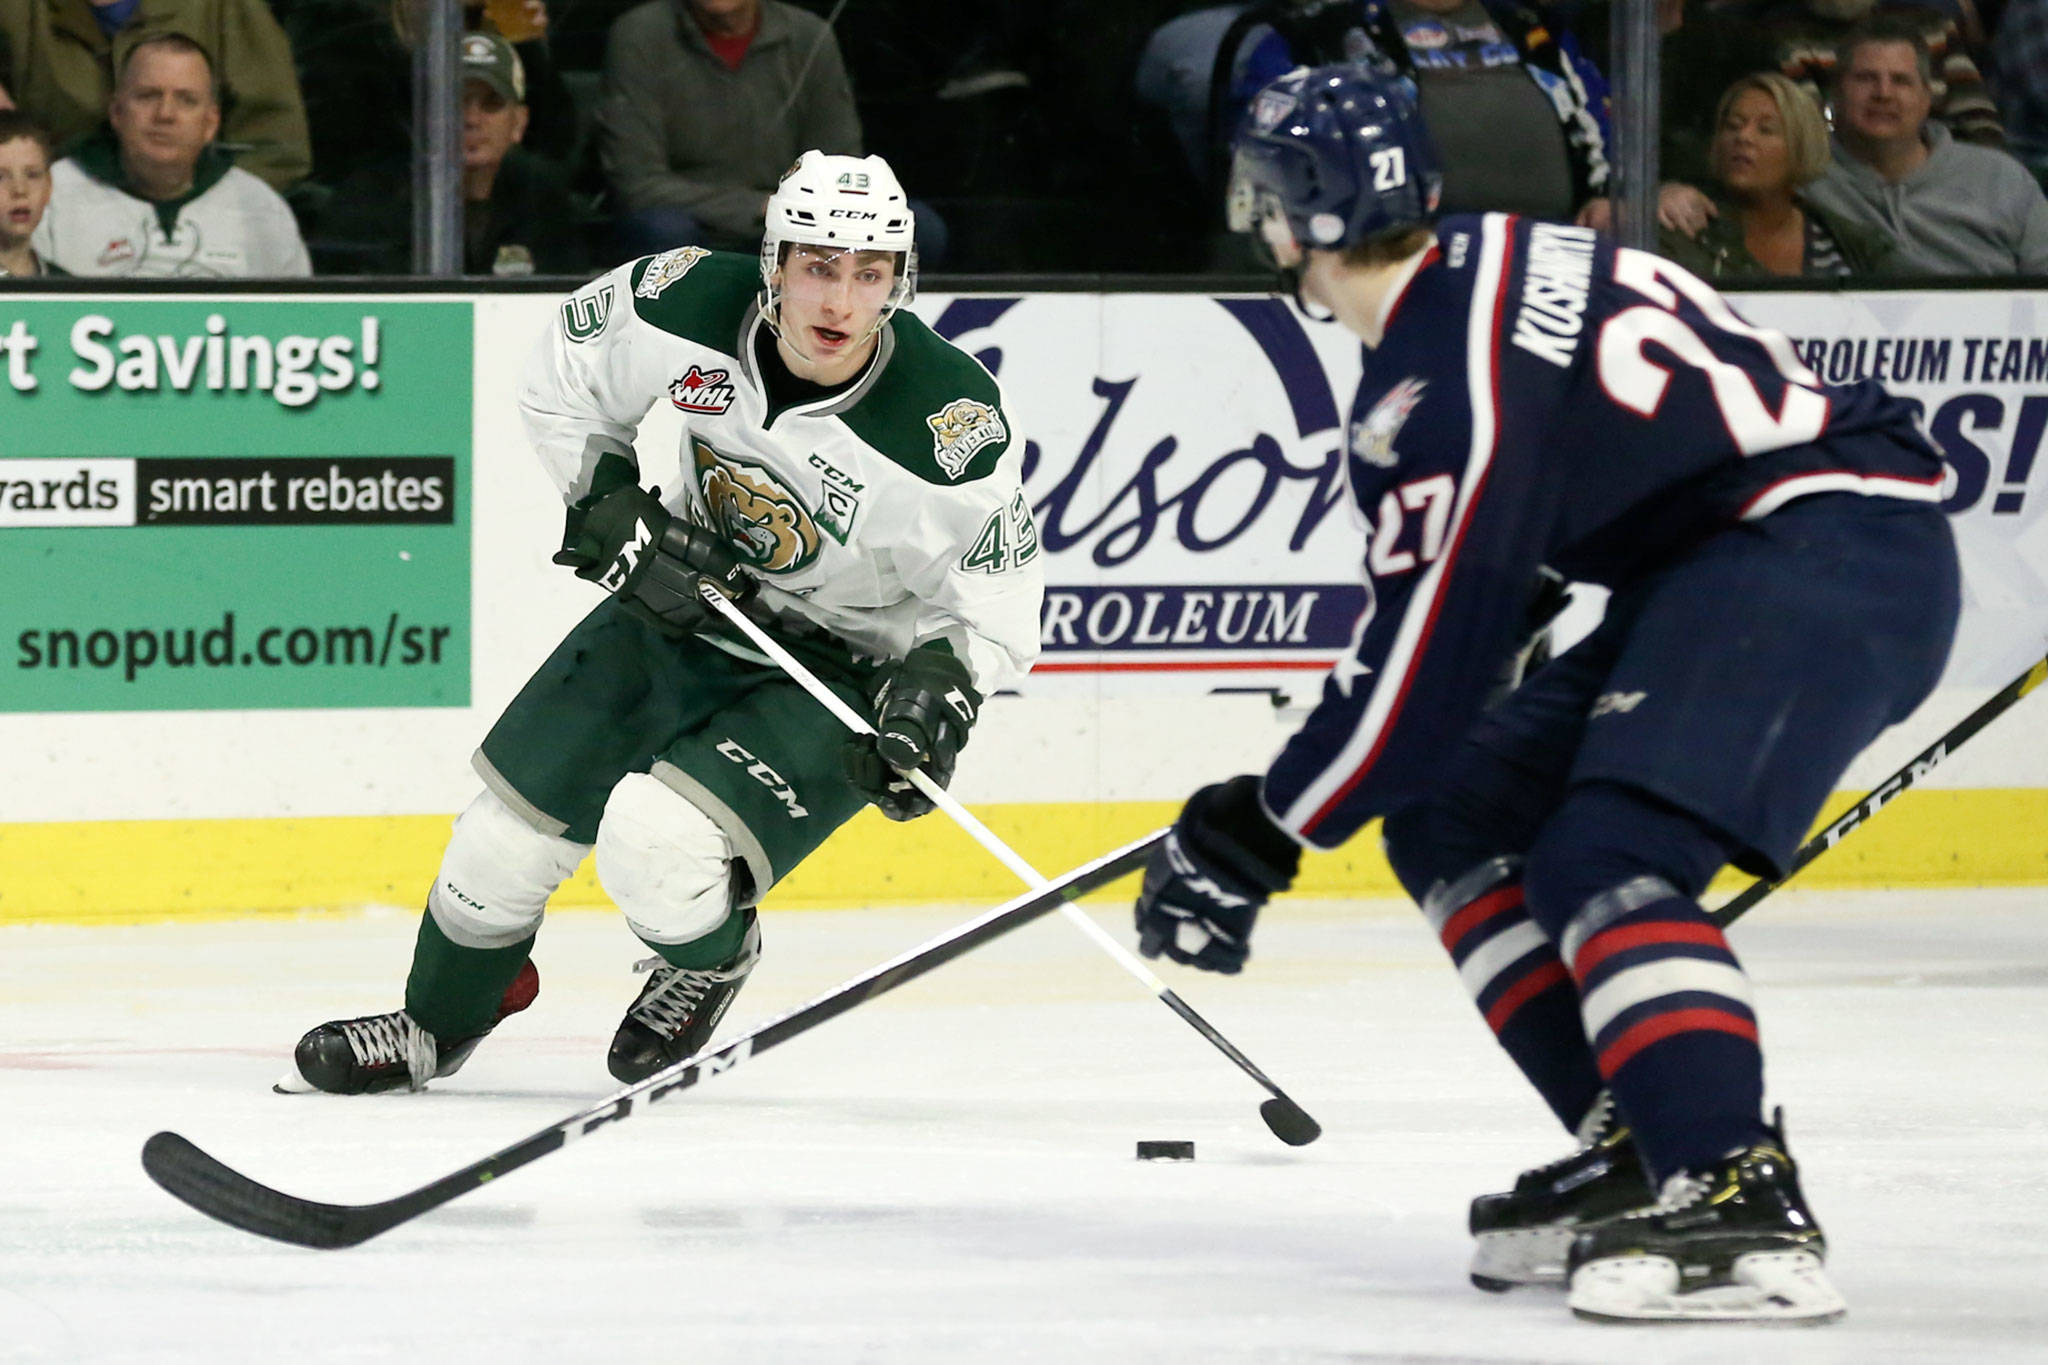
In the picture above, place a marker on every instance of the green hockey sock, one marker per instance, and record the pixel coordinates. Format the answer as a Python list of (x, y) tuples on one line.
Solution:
[(716, 949), (453, 992)]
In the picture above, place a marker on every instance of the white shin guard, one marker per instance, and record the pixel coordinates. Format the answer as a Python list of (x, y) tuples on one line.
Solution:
[(497, 875), (665, 862)]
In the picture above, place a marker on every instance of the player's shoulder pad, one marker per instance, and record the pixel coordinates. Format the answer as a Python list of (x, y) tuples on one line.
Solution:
[(933, 410), (695, 294)]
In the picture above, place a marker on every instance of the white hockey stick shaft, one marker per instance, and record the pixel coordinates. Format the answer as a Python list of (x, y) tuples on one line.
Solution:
[(1288, 1120), (937, 795)]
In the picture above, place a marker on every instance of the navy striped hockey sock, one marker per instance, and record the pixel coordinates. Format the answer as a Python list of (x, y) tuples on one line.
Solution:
[(1519, 983), (1668, 1009)]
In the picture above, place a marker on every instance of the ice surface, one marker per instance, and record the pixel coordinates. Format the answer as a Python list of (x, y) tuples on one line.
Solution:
[(946, 1174)]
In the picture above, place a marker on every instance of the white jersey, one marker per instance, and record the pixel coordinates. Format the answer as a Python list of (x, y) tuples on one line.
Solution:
[(891, 513), (234, 227)]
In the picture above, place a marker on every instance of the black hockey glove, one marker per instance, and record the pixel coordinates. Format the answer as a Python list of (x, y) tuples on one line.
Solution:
[(1204, 886), (923, 710), (652, 560)]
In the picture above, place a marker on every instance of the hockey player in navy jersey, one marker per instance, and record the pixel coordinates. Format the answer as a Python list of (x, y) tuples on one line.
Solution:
[(1784, 586)]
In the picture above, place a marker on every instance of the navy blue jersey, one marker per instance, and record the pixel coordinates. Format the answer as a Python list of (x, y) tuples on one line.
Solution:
[(1543, 397)]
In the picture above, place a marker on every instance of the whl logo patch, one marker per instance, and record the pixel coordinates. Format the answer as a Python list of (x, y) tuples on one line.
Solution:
[(755, 513), (702, 390)]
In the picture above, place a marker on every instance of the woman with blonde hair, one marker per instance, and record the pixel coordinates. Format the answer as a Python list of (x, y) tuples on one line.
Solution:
[(1769, 143)]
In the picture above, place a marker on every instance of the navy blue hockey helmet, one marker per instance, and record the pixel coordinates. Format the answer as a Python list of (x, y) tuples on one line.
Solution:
[(1338, 152)]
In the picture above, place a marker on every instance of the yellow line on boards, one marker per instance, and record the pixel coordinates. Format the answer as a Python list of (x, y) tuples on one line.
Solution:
[(137, 870)]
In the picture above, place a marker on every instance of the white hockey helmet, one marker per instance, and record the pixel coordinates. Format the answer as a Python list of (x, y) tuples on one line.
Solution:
[(851, 202)]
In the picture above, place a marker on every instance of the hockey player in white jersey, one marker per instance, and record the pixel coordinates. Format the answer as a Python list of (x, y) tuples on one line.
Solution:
[(850, 479)]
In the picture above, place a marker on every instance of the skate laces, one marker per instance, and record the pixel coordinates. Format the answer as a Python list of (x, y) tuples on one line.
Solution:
[(1680, 1191), (675, 993), (1598, 1125), (388, 1039)]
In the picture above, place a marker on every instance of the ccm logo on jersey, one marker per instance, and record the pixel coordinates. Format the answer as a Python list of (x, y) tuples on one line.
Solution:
[(960, 429), (766, 776), (702, 391), (665, 269), (1372, 439), (1554, 286)]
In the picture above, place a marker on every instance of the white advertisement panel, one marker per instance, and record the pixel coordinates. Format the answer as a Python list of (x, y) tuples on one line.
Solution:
[(1201, 560)]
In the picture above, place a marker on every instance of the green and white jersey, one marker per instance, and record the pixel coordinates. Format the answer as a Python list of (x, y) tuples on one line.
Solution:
[(890, 513)]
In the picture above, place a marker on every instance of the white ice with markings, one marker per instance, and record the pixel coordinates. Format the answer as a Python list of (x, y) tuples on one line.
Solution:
[(947, 1174)]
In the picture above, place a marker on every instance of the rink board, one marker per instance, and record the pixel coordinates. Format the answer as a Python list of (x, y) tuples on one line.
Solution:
[(333, 501), (137, 871)]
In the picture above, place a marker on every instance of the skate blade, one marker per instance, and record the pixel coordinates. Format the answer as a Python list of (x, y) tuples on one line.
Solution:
[(1524, 1257), (1767, 1286)]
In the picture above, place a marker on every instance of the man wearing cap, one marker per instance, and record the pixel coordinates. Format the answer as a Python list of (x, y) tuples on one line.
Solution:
[(517, 216), (152, 194)]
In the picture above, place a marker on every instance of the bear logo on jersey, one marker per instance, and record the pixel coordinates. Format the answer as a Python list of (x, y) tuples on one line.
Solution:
[(1372, 439), (665, 269), (960, 429), (702, 390), (766, 524)]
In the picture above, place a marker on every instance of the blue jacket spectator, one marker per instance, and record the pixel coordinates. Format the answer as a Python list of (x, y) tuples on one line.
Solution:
[(1517, 112)]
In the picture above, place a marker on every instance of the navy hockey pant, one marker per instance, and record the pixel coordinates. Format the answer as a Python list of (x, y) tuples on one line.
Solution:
[(1704, 721)]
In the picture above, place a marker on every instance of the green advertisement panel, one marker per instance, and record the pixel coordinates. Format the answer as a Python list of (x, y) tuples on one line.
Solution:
[(233, 503)]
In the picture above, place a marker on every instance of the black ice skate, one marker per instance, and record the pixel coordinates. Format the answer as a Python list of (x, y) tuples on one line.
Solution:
[(1524, 1235), (1735, 1243), (389, 1051), (677, 1010)]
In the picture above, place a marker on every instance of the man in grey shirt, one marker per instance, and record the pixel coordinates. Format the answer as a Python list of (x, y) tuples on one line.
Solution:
[(1954, 209), (705, 104)]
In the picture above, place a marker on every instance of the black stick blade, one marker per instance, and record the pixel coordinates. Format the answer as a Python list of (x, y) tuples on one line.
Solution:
[(1290, 1122), (220, 1192)]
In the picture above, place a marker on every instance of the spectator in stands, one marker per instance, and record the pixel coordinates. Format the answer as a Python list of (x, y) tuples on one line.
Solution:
[(152, 195), (24, 193), (1517, 114), (1807, 34), (705, 103), (58, 59), (355, 63), (1954, 209), (1769, 143), (1703, 51), (2022, 53), (518, 218)]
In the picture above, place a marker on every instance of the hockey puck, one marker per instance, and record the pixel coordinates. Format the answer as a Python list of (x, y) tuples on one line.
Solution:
[(1166, 1151)]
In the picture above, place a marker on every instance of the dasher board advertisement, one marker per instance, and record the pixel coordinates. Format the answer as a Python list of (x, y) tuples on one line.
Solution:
[(234, 503)]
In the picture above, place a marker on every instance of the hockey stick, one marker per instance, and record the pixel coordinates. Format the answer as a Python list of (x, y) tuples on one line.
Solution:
[(1916, 768), (1288, 1120), (219, 1191)]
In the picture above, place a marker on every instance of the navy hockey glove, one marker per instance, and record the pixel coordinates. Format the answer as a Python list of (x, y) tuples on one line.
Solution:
[(652, 560), (1204, 886), (923, 710)]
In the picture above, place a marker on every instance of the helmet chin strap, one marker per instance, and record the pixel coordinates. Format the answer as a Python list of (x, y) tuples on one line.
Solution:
[(771, 313), (1290, 285)]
